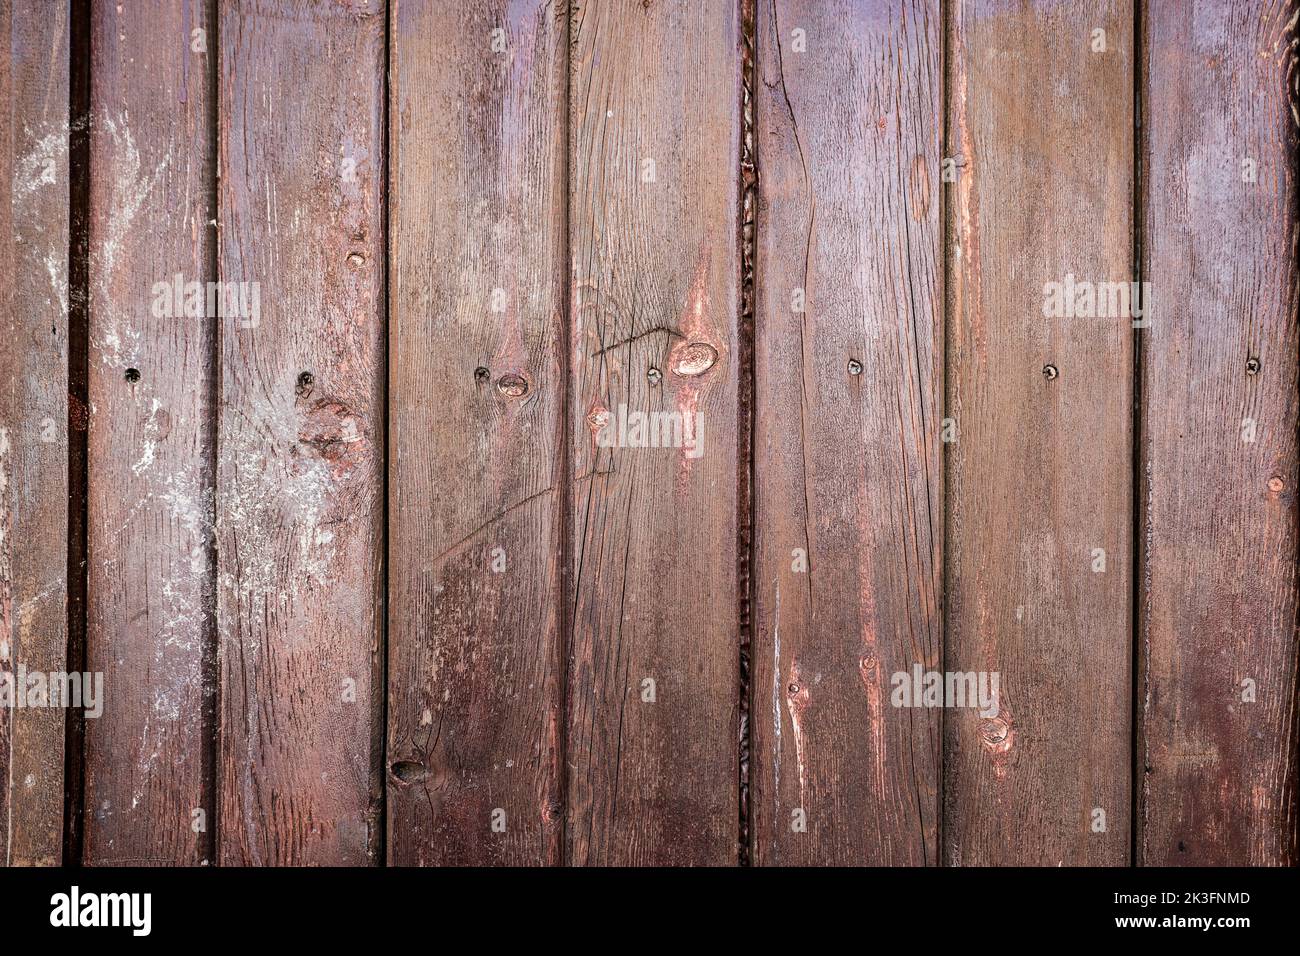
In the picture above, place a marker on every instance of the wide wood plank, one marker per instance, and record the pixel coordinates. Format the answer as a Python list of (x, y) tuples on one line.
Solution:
[(300, 464), (848, 395), (148, 774), (654, 246), (1219, 466), (1039, 494), (34, 421), (476, 417)]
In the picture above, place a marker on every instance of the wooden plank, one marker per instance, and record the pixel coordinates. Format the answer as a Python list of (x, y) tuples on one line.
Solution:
[(1040, 472), (654, 246), (1219, 463), (33, 421), (150, 444), (848, 519), (477, 431), (300, 464)]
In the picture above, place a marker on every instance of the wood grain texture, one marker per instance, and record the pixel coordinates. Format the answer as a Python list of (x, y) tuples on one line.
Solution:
[(149, 449), (476, 426), (847, 466), (300, 465), (655, 285), (34, 42), (1219, 466), (1040, 473)]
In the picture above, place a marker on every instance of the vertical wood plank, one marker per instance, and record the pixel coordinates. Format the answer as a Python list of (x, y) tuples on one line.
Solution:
[(1040, 473), (300, 464), (34, 42), (476, 425), (848, 519), (149, 450), (1219, 464), (654, 246)]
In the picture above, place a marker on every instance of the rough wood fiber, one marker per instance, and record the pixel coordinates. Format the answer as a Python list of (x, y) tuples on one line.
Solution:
[(847, 466), (33, 417), (149, 530), (655, 285), (300, 465), (1219, 470), (1040, 473), (475, 486)]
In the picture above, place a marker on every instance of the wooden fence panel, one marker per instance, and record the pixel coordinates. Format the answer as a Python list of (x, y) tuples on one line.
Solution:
[(300, 465), (34, 421), (653, 702), (1040, 474), (149, 447), (1219, 470), (849, 388), (477, 429)]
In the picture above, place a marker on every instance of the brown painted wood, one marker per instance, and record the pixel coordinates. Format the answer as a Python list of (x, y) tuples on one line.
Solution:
[(1219, 467), (149, 530), (655, 285), (300, 465), (847, 461), (33, 419), (1040, 473), (476, 430)]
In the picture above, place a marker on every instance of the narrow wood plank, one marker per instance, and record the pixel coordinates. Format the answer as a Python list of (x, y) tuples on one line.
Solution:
[(1219, 463), (148, 783), (1040, 473), (33, 421), (300, 465), (654, 246), (847, 463), (846, 446), (477, 425)]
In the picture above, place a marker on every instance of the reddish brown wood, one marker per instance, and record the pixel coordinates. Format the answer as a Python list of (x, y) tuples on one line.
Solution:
[(1219, 466), (848, 518), (1040, 474), (655, 285), (148, 786), (475, 481), (300, 465), (33, 420)]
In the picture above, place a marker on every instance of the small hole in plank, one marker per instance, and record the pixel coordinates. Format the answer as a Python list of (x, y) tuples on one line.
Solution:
[(409, 771), (305, 381), (133, 375), (482, 375)]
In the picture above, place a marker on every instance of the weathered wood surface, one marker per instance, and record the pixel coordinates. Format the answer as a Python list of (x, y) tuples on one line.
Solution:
[(1218, 474), (1039, 477), (150, 442), (476, 432), (300, 462), (848, 514), (34, 421), (654, 231)]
